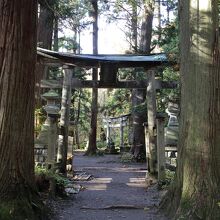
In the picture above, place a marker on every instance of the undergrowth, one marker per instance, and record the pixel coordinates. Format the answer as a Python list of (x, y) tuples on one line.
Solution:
[(169, 177)]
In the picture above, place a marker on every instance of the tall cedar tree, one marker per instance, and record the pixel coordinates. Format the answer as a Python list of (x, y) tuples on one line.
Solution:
[(139, 95), (18, 198), (195, 193), (94, 111)]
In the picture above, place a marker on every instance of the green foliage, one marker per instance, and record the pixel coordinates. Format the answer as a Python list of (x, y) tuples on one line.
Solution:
[(118, 103), (55, 73), (74, 14), (169, 177), (141, 108), (127, 158), (101, 144), (166, 95), (48, 174), (126, 74), (68, 43), (40, 117), (170, 75), (80, 112), (169, 40)]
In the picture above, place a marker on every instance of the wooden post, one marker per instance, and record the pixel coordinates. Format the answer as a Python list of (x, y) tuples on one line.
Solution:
[(151, 108), (160, 147)]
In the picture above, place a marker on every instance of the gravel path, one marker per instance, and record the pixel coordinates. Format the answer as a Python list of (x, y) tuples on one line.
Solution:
[(114, 184)]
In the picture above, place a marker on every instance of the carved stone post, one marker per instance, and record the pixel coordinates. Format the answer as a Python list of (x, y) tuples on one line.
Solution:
[(108, 133), (160, 147), (121, 134)]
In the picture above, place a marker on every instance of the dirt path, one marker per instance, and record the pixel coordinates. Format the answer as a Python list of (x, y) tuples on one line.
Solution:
[(115, 184)]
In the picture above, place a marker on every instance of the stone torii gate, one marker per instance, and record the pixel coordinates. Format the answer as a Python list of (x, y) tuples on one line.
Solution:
[(109, 65), (116, 122)]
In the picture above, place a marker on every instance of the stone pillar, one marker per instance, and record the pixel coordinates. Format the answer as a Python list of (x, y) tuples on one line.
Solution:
[(51, 121), (145, 124), (160, 147), (121, 134), (108, 134), (52, 115)]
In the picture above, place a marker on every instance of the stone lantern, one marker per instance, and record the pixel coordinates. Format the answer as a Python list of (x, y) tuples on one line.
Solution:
[(52, 108), (52, 99)]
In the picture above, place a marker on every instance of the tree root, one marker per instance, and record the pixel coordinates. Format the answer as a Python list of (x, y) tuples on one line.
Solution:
[(116, 207)]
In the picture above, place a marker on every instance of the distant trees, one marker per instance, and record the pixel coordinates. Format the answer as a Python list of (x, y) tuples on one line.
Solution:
[(195, 193), (18, 196), (137, 16)]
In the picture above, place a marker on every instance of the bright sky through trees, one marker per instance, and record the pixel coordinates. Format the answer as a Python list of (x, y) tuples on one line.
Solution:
[(111, 38)]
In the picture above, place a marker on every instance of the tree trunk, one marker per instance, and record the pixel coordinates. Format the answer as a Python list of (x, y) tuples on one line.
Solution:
[(139, 115), (76, 127), (44, 39), (134, 28), (146, 27), (159, 19), (76, 134), (151, 121), (64, 120), (17, 72), (94, 108), (45, 25), (55, 34), (195, 193), (145, 47)]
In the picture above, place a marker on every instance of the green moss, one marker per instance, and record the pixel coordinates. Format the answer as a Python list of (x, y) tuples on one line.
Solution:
[(186, 204), (20, 209), (169, 178)]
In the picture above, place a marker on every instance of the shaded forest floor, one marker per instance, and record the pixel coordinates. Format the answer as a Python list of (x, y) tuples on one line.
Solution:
[(116, 191)]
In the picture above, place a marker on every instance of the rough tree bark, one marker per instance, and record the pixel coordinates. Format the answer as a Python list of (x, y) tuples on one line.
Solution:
[(64, 120), (18, 197), (45, 24), (145, 47), (195, 193), (159, 19), (151, 120), (134, 28), (139, 95), (76, 127), (94, 109), (146, 27), (139, 116)]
